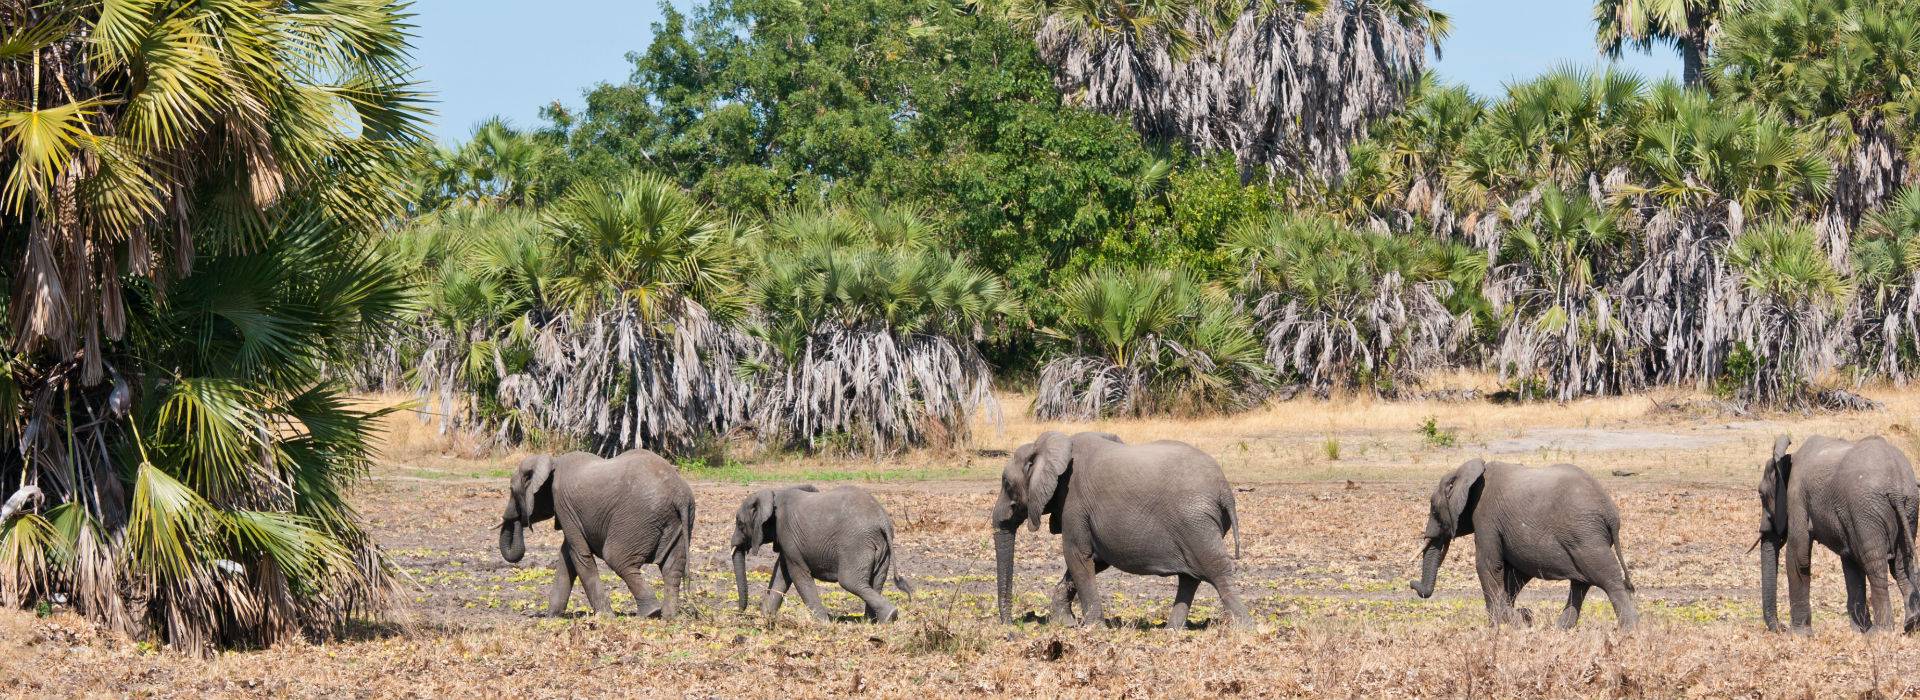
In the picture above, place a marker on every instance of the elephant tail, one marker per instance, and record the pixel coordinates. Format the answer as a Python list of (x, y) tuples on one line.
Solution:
[(1233, 521), (1620, 555), (1903, 516), (887, 569)]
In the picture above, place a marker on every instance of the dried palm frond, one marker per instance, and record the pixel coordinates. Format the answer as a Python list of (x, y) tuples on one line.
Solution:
[(1285, 87)]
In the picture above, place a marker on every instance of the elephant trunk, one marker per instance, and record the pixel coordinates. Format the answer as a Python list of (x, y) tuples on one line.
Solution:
[(1003, 571), (1430, 559), (740, 575), (513, 540), (1770, 582)]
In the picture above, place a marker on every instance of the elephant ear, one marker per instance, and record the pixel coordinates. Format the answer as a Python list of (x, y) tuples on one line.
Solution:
[(539, 473), (1051, 459), (1779, 469), (1464, 479), (762, 510)]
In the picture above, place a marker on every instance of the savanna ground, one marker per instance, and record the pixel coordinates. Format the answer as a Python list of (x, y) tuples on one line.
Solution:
[(1332, 495)]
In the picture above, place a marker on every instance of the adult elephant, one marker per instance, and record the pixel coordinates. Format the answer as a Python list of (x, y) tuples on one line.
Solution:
[(1552, 523), (1155, 509), (1859, 499), (629, 511)]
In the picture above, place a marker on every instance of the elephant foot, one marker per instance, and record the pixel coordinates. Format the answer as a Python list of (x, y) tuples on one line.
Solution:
[(885, 616), (1523, 616)]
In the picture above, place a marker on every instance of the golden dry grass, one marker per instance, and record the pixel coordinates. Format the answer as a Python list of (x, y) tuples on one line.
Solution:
[(1330, 541)]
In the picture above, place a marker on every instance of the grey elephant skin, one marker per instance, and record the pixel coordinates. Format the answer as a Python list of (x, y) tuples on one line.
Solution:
[(1859, 499), (842, 535), (1154, 509), (1553, 523), (629, 511)]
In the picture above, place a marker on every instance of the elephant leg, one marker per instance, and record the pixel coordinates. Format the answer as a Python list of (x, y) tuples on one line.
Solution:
[(1061, 610), (562, 585), (1623, 606), (1518, 614), (776, 589), (1902, 572), (1856, 595), (802, 579), (1220, 575), (1182, 601), (589, 572), (636, 579), (1878, 599), (1080, 567), (1799, 579), (1576, 597), (878, 609), (1493, 585), (671, 577)]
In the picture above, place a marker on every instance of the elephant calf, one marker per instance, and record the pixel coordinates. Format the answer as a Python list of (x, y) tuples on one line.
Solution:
[(1859, 499), (1549, 523), (630, 511), (842, 535)]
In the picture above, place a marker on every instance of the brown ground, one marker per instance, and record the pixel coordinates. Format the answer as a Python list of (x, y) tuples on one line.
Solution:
[(1332, 496)]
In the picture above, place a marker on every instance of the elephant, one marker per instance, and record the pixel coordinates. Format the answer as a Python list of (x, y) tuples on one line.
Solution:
[(1859, 499), (631, 510), (1155, 509), (1550, 523), (842, 535)]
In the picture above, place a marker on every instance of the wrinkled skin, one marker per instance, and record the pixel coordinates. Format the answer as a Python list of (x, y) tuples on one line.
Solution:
[(629, 511), (1553, 523), (1859, 499), (842, 535), (1156, 509)]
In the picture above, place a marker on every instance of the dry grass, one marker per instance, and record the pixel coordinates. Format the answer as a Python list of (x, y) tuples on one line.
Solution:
[(1329, 546)]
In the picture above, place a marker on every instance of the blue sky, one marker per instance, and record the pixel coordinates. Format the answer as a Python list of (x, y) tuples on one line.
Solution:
[(509, 57)]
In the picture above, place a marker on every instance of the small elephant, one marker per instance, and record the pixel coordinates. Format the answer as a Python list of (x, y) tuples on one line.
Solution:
[(841, 535), (1859, 499), (630, 511), (1155, 509), (1549, 523)]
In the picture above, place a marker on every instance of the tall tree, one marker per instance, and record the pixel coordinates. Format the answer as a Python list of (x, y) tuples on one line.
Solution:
[(1689, 25), (189, 188), (1284, 86)]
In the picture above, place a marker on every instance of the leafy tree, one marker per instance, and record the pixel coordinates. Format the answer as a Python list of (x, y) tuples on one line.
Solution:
[(1346, 308), (1689, 25), (189, 190), (1150, 341), (870, 330), (1182, 71), (1843, 68)]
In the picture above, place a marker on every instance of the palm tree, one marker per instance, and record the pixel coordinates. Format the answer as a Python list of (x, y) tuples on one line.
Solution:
[(1568, 127), (870, 331), (188, 192), (1841, 67), (1886, 265), (1787, 326), (1278, 84), (1689, 25), (1340, 307), (1146, 341), (1566, 335)]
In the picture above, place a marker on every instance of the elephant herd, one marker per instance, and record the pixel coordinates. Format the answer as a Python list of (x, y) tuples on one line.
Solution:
[(1165, 509)]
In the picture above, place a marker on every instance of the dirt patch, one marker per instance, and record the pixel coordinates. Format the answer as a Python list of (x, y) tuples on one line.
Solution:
[(1608, 440)]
